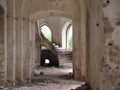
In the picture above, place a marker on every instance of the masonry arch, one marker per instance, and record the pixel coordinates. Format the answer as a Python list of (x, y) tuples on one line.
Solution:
[(76, 33), (42, 12), (50, 13), (47, 57), (36, 17)]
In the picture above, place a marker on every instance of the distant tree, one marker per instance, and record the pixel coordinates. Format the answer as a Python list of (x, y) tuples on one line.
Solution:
[(46, 32), (70, 43)]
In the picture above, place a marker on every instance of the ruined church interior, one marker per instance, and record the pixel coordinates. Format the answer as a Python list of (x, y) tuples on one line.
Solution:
[(59, 44)]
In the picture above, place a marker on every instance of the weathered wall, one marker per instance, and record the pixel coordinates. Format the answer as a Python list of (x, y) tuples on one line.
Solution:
[(103, 61), (111, 59)]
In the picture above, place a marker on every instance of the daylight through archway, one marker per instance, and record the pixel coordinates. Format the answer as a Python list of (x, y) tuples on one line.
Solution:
[(69, 37), (46, 32)]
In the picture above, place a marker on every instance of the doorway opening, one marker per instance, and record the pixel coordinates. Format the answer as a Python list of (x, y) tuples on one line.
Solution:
[(61, 34), (48, 52), (48, 59), (67, 46)]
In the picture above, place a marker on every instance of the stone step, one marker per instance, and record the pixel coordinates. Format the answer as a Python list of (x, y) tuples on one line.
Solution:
[(2, 81), (64, 56), (2, 76), (67, 57), (2, 71), (1, 67)]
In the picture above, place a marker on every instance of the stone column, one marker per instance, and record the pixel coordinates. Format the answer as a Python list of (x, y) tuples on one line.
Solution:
[(11, 41), (95, 43), (19, 59), (83, 42), (79, 42), (76, 50), (37, 47), (32, 45), (26, 49), (37, 54)]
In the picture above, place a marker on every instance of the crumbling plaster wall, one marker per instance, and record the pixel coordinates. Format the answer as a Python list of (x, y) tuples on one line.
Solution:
[(111, 59), (103, 62)]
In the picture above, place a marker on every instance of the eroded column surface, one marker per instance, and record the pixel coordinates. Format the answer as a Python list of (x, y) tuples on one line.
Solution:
[(76, 54), (26, 49), (95, 43), (19, 60), (110, 64), (32, 46), (11, 41)]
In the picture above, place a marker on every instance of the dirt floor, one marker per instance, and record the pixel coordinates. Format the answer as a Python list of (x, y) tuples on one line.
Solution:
[(50, 79)]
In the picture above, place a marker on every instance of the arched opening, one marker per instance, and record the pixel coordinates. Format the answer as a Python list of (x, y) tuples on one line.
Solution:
[(67, 45), (69, 37), (48, 53), (46, 32), (64, 54), (48, 59), (66, 66)]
